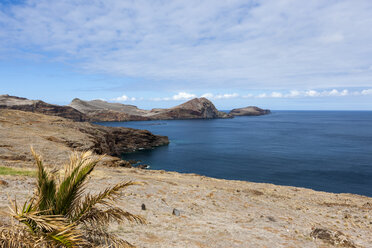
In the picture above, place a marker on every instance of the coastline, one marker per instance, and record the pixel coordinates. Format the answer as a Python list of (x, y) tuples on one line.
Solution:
[(212, 212)]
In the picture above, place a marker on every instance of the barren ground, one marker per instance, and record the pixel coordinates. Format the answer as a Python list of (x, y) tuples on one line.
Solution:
[(223, 213)]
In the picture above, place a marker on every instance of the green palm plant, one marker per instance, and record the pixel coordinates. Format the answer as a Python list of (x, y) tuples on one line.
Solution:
[(62, 214)]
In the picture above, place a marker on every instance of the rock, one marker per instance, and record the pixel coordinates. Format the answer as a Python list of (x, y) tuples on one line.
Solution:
[(176, 212), (37, 106), (332, 237), (115, 162), (55, 137), (249, 111), (143, 206), (3, 183), (133, 161), (97, 110), (142, 166), (270, 218)]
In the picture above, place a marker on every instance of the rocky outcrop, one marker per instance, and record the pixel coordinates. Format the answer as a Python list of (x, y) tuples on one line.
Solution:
[(198, 108), (55, 137), (249, 111), (97, 110), (37, 106)]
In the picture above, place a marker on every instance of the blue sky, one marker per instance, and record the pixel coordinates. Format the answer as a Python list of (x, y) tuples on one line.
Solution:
[(278, 54)]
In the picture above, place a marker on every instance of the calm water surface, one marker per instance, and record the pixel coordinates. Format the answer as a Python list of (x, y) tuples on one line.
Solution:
[(328, 151)]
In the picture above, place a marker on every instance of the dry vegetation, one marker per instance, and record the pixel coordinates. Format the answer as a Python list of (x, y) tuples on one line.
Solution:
[(62, 214)]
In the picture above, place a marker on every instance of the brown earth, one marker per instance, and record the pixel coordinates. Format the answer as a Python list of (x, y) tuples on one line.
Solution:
[(224, 213), (56, 137)]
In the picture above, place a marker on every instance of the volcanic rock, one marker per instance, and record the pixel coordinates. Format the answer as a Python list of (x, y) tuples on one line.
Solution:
[(249, 111), (37, 106)]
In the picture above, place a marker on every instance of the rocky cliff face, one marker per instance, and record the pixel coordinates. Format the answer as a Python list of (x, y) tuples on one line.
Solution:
[(55, 137), (249, 111), (37, 106), (97, 110)]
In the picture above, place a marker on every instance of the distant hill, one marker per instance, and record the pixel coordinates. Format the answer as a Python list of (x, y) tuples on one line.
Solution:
[(98, 110), (37, 106)]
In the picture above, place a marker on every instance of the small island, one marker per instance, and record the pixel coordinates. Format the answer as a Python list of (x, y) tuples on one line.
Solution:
[(249, 111)]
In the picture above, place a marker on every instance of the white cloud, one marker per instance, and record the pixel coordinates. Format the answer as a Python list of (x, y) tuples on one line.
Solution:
[(226, 96), (273, 94), (262, 95), (183, 96), (179, 96), (220, 96), (293, 93), (208, 95), (248, 96), (335, 92), (123, 98), (199, 44), (312, 93), (276, 95), (366, 92)]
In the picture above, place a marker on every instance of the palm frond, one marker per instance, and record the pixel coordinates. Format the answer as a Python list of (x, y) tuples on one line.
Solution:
[(72, 186), (105, 198), (69, 236), (16, 237), (46, 189), (99, 217)]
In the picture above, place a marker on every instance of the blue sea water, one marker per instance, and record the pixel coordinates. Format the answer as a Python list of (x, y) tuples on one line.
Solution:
[(322, 150)]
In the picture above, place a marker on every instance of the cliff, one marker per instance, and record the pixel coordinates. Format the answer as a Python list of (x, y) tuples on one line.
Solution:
[(249, 111), (97, 110), (37, 106), (56, 137)]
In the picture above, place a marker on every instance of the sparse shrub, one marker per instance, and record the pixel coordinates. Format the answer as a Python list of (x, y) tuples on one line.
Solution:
[(62, 214)]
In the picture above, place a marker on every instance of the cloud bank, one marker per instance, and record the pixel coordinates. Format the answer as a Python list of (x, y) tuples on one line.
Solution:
[(184, 96), (238, 44)]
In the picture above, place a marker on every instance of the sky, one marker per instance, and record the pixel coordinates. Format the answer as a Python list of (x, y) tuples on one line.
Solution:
[(277, 54)]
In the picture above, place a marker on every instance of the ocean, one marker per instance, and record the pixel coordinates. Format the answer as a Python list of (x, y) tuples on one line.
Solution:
[(322, 150)]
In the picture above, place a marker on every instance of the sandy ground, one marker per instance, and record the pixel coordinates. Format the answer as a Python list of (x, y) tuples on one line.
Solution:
[(224, 213)]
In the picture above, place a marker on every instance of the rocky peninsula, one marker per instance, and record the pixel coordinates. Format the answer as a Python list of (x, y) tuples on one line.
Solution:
[(101, 111), (98, 110)]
